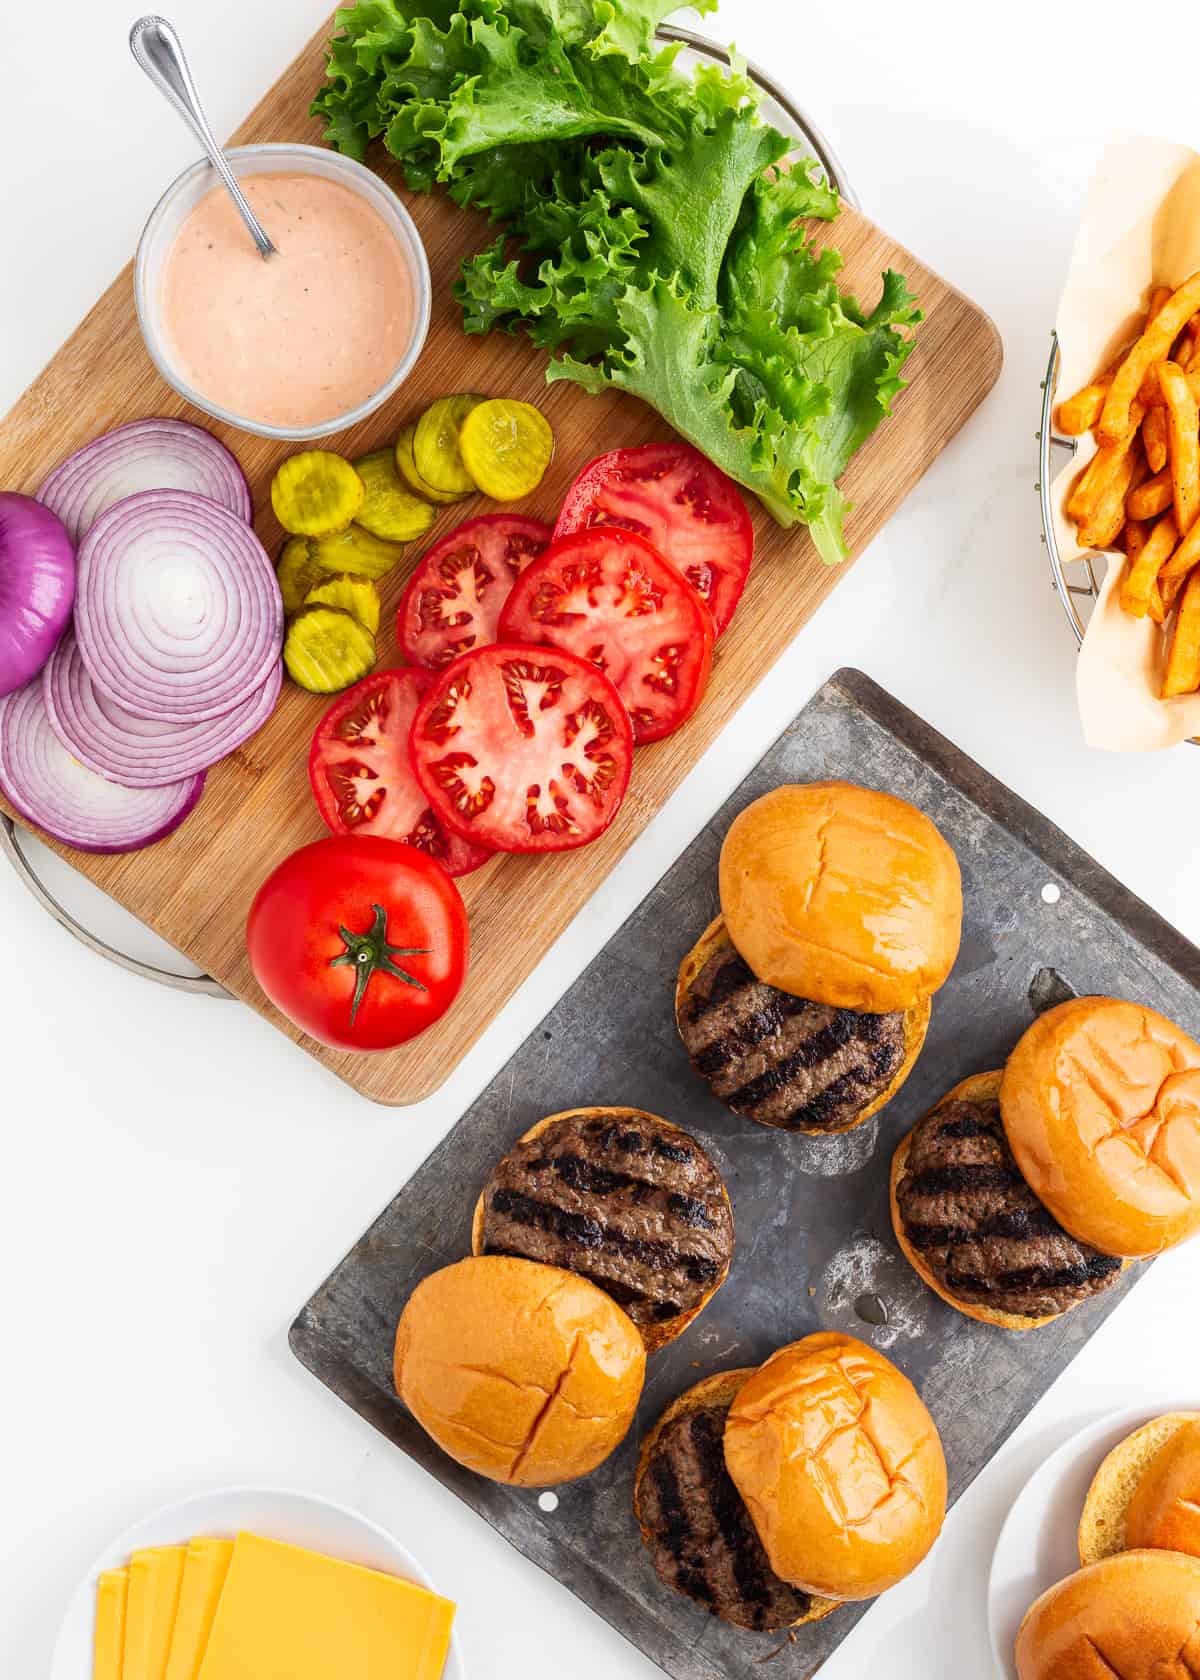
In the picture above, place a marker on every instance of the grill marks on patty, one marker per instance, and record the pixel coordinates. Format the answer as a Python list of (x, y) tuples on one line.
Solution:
[(629, 1203), (980, 1229), (699, 1533), (780, 1059)]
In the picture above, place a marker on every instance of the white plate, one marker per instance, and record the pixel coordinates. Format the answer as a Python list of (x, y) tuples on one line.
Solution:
[(1038, 1543), (280, 1515)]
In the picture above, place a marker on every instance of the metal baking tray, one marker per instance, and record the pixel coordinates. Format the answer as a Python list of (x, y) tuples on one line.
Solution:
[(815, 1247)]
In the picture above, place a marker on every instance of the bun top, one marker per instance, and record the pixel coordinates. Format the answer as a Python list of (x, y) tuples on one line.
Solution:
[(524, 1373), (1165, 1508), (840, 1466), (1101, 1104), (843, 896), (1135, 1616)]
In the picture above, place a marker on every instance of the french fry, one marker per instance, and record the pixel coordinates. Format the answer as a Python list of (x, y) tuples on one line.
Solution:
[(1184, 351), (1183, 658), (1080, 412), (1150, 395), (1133, 537), (1100, 470), (1175, 571), (1138, 585), (1158, 606), (1169, 587), (1158, 297), (1154, 345), (1183, 436), (1152, 498), (1099, 529), (1154, 437)]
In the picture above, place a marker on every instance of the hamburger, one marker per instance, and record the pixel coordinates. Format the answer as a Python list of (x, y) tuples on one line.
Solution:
[(1146, 1494), (972, 1228), (695, 1525), (840, 1466), (622, 1198), (1023, 1192), (806, 1003), (1131, 1617), (523, 1373)]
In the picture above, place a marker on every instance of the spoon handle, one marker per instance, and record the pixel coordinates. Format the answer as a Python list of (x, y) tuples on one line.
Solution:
[(156, 46)]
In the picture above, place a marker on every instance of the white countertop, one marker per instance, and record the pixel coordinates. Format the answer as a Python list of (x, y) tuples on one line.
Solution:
[(176, 1177)]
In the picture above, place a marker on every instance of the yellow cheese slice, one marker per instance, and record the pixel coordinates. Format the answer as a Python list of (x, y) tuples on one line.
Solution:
[(204, 1572), (112, 1591), (154, 1579), (290, 1614)]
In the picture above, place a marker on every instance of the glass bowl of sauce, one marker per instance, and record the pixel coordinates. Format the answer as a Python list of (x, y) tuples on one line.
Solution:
[(300, 344)]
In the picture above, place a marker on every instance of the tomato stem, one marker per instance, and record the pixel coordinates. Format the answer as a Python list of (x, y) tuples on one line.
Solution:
[(369, 953)]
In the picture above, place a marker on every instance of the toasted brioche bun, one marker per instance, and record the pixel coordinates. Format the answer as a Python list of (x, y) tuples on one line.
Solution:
[(1131, 1617), (524, 1373), (840, 1464), (1146, 1494), (916, 1025), (719, 1390), (1101, 1104), (842, 895), (655, 1336), (980, 1087)]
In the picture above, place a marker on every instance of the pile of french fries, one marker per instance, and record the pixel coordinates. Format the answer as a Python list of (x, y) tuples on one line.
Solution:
[(1140, 492)]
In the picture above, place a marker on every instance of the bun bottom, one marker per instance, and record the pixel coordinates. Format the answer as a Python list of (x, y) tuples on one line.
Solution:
[(916, 1025), (719, 1390), (980, 1087), (655, 1336), (1102, 1525)]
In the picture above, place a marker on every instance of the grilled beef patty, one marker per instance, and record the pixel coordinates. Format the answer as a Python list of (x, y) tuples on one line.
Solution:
[(980, 1229), (699, 1533), (622, 1199), (779, 1059)]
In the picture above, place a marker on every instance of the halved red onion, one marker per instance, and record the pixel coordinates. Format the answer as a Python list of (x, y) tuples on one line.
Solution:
[(142, 752), (155, 454), (52, 789), (178, 613)]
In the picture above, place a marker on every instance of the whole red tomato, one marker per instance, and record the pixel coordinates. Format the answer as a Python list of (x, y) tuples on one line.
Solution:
[(361, 941)]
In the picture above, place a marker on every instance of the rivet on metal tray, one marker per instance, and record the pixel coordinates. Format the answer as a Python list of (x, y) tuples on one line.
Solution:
[(547, 1502), (1051, 893)]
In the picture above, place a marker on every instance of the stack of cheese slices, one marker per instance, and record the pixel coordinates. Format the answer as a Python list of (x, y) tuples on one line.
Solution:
[(255, 1609)]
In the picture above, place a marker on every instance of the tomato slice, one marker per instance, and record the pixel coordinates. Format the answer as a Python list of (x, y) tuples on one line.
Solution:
[(453, 599), (611, 598), (675, 498), (523, 749), (362, 775)]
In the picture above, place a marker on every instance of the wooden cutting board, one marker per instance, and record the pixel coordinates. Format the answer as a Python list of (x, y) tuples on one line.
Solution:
[(195, 888)]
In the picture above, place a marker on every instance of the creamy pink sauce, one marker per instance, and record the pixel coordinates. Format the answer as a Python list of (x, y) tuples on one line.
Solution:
[(305, 335)]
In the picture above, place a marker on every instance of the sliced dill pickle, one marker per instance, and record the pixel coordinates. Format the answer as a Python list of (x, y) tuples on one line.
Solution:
[(297, 572), (356, 595), (326, 649), (506, 448), (355, 551), (390, 510), (435, 444), (316, 494), (408, 470)]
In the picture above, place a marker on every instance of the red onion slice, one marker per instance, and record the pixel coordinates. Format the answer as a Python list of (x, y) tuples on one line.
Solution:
[(178, 613), (141, 752), (51, 789), (155, 454)]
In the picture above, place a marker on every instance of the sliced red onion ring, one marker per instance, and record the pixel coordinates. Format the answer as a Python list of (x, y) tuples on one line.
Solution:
[(141, 752), (178, 613), (155, 454), (50, 788)]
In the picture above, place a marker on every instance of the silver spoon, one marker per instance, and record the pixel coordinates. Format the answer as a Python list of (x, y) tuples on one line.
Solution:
[(156, 46)]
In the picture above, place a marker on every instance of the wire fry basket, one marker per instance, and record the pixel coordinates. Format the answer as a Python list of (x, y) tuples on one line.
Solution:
[(1079, 592)]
